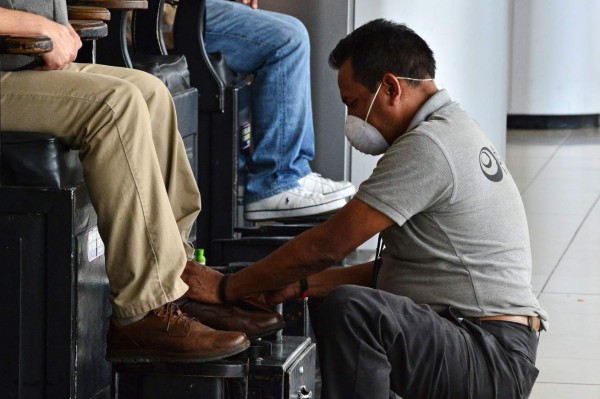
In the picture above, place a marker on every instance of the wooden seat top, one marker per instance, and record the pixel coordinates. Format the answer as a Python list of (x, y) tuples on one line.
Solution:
[(88, 12), (112, 4), (89, 30)]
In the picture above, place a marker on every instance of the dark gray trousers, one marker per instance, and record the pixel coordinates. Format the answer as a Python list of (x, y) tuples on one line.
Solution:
[(372, 343)]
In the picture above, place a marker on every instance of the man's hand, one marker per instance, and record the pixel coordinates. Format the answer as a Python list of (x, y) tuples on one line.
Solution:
[(251, 3), (77, 40), (65, 41), (292, 291), (66, 44), (203, 282)]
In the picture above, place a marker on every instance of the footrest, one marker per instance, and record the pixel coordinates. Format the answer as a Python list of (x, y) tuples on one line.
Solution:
[(288, 373), (259, 349), (222, 379), (219, 369)]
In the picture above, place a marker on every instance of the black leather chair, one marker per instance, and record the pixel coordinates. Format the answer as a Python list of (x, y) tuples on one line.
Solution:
[(54, 286)]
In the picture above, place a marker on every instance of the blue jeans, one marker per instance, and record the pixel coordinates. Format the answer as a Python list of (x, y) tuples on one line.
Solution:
[(276, 49)]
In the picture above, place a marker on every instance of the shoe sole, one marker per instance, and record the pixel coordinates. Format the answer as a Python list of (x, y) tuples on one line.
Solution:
[(266, 332), (157, 357), (271, 214)]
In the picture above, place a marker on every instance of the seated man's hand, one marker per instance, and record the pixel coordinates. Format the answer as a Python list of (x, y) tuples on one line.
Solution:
[(77, 40), (203, 282), (66, 44)]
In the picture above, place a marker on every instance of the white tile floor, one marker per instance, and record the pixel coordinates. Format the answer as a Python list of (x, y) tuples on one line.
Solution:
[(558, 174)]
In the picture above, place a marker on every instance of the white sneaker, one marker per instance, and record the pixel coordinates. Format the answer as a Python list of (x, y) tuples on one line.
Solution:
[(296, 202), (330, 189)]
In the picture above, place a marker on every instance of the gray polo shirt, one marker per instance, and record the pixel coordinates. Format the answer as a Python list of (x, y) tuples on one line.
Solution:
[(55, 10), (460, 236)]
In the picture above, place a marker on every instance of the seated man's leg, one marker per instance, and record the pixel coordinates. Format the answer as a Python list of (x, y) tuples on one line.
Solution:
[(276, 49), (107, 119), (175, 168), (371, 342), (184, 200)]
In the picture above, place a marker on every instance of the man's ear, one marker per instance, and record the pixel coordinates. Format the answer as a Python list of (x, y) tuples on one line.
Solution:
[(391, 88)]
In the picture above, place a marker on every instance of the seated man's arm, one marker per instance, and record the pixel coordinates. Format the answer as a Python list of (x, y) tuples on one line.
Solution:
[(65, 42), (312, 252)]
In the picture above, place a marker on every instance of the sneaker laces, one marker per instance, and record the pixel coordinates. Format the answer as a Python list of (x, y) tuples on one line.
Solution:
[(171, 311), (301, 191), (311, 176), (318, 179)]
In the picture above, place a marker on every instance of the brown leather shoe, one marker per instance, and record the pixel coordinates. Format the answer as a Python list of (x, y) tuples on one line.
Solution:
[(247, 317), (168, 335)]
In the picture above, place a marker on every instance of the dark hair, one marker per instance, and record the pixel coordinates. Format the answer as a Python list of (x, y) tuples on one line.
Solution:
[(381, 46)]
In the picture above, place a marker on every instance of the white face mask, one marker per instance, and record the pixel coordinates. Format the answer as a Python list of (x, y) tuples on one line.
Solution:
[(365, 137)]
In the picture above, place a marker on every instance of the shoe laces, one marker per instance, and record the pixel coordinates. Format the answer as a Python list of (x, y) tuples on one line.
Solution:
[(317, 180), (317, 176), (301, 191), (172, 311)]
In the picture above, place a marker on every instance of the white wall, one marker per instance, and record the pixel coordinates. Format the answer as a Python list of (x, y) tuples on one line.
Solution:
[(471, 43), (556, 58), (470, 39)]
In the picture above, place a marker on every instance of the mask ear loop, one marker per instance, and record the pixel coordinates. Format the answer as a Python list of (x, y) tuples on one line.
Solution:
[(373, 101), (413, 79)]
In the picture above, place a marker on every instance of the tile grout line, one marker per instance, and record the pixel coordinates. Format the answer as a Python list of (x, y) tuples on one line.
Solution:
[(558, 147), (567, 383), (566, 293), (569, 244)]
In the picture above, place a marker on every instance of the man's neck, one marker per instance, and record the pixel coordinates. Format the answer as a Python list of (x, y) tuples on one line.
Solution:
[(416, 98)]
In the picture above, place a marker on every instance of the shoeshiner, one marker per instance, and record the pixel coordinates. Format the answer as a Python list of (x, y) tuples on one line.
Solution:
[(452, 314), (140, 182)]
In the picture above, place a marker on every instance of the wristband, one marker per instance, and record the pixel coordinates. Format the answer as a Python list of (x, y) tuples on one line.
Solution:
[(222, 287), (303, 288)]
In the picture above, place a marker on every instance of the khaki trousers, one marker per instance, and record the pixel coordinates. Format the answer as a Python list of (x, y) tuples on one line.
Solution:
[(139, 179)]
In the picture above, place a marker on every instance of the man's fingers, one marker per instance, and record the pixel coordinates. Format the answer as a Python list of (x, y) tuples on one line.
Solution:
[(251, 3), (66, 44), (55, 61), (282, 295)]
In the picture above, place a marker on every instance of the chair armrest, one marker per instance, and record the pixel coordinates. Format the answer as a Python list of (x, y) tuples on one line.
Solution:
[(25, 45)]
